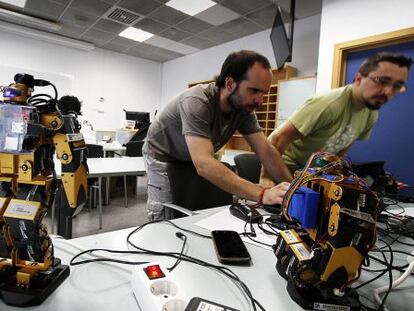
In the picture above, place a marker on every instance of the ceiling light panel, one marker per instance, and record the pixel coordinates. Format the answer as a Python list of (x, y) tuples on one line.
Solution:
[(136, 34), (19, 3), (190, 7)]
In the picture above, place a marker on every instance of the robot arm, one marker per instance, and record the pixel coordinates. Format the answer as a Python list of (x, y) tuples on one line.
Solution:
[(333, 217), (71, 151)]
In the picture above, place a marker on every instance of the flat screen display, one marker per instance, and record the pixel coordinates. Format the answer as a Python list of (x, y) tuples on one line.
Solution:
[(141, 118), (280, 41)]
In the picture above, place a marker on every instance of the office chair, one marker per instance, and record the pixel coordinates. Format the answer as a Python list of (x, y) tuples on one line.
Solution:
[(191, 192), (248, 166), (134, 148), (95, 151)]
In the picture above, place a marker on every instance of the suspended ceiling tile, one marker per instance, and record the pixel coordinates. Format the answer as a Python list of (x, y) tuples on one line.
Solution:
[(93, 7), (264, 16), (113, 47), (109, 26), (241, 27), (168, 15), (153, 53), (150, 25), (182, 48), (44, 9), (78, 18), (70, 29), (112, 2), (217, 35), (193, 25), (97, 36), (159, 41), (174, 34), (143, 7), (120, 43), (217, 15), (245, 6), (198, 42)]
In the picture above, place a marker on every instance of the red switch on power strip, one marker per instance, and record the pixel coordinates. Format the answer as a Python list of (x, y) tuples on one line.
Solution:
[(154, 272)]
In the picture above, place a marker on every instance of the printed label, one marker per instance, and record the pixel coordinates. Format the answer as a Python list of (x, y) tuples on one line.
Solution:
[(301, 252), (204, 306), (290, 237), (74, 137), (21, 209), (329, 307)]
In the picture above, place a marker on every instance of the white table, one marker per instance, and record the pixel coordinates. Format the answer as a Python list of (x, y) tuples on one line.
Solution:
[(108, 167), (109, 148), (106, 287)]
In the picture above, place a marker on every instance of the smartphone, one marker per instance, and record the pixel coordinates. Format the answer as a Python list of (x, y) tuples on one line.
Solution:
[(230, 248)]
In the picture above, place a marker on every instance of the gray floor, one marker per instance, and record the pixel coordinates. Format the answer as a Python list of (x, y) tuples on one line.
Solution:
[(115, 215)]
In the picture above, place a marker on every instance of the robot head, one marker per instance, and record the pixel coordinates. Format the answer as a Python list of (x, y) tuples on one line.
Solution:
[(20, 91), (70, 104)]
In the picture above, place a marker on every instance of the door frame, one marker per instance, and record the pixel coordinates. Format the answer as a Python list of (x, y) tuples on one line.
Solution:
[(341, 50)]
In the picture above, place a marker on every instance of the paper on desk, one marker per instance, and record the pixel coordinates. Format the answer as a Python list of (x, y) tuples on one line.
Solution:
[(223, 220)]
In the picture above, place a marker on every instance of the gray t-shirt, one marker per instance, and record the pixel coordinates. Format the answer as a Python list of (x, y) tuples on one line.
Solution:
[(195, 112)]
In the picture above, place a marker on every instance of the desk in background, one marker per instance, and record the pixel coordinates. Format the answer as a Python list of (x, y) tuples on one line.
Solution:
[(100, 168)]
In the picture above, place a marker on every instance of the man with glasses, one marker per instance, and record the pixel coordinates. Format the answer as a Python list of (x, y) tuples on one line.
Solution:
[(333, 120)]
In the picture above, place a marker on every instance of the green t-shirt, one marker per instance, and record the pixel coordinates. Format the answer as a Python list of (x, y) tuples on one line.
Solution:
[(328, 122)]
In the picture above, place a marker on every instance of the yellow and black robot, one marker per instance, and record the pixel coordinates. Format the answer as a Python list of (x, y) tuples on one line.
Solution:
[(332, 215), (32, 129)]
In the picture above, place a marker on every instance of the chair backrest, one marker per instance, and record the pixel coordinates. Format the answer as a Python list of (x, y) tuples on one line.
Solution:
[(248, 166), (94, 151), (192, 191), (134, 148)]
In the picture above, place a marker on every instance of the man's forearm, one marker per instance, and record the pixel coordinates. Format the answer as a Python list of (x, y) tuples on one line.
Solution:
[(274, 166), (221, 176)]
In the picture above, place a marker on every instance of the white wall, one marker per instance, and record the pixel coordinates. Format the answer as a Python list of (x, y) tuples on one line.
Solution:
[(204, 65), (124, 82), (345, 20)]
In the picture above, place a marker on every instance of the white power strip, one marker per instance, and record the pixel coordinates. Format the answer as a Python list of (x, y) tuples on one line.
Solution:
[(159, 293)]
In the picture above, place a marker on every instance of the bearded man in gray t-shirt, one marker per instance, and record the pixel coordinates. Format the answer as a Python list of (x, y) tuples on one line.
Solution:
[(201, 120)]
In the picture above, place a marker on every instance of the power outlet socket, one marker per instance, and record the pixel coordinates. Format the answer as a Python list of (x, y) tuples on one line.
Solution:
[(161, 293)]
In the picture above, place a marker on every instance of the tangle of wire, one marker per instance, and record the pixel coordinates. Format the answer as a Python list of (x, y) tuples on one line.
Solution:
[(178, 256)]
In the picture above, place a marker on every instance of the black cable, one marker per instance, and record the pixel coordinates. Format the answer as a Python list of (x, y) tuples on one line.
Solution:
[(90, 251), (390, 278), (249, 236), (184, 238), (226, 271)]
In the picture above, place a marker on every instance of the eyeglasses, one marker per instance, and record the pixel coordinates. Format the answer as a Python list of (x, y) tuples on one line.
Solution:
[(384, 82)]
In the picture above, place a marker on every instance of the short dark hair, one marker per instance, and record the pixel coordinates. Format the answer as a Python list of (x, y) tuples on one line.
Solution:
[(238, 63), (371, 63), (67, 104)]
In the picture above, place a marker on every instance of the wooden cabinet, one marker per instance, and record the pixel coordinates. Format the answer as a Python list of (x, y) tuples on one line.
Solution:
[(267, 113)]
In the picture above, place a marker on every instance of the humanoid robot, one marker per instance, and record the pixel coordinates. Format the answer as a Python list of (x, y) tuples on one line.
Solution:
[(32, 128), (332, 216)]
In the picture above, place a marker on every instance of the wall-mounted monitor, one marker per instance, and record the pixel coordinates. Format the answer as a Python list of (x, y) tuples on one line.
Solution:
[(282, 45)]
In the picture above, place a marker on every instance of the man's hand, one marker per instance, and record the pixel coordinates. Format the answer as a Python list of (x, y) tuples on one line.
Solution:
[(275, 195), (266, 182)]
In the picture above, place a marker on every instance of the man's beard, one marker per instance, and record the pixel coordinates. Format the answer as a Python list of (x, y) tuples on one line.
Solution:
[(236, 103), (376, 106), (371, 106)]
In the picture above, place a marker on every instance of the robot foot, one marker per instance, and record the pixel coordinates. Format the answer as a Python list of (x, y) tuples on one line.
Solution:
[(42, 285), (312, 298)]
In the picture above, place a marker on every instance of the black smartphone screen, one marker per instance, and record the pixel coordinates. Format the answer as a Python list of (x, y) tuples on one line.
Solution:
[(230, 247)]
